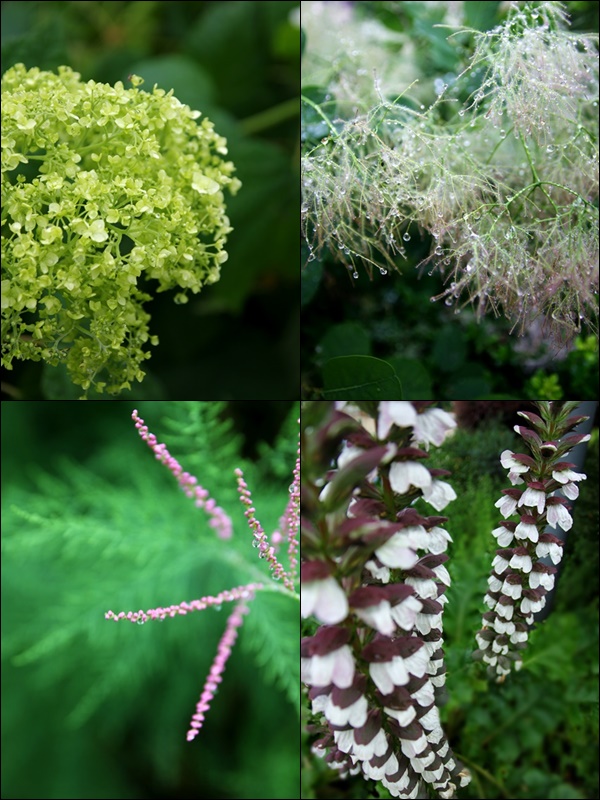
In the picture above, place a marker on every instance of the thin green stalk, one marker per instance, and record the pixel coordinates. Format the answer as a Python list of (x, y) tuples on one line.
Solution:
[(271, 117)]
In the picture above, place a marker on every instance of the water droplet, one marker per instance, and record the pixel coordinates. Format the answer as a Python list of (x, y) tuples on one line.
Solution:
[(438, 251), (550, 149), (355, 274), (140, 621), (406, 237), (461, 113), (448, 301), (383, 271), (502, 132)]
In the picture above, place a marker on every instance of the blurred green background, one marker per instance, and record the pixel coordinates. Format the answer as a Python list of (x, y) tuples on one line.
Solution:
[(239, 64), (535, 735), (91, 522)]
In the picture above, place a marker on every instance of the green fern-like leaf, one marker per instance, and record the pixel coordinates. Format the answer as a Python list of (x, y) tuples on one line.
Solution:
[(272, 638)]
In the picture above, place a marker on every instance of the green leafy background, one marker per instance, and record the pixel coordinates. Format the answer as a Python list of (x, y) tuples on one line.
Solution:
[(91, 522), (238, 63)]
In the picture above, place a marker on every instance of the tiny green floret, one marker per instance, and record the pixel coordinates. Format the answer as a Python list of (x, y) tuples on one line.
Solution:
[(102, 186)]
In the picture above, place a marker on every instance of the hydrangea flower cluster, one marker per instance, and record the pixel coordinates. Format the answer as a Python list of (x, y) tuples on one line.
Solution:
[(221, 522), (102, 187), (373, 581), (520, 580)]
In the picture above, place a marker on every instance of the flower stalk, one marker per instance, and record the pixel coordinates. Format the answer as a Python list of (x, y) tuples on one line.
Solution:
[(373, 581), (221, 522), (520, 578)]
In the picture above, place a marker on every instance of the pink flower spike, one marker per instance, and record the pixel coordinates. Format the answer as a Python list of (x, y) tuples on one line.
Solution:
[(218, 667), (260, 538), (220, 521)]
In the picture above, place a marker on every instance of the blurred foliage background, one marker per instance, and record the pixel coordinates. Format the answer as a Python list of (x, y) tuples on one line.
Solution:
[(433, 352), (536, 735), (238, 63), (91, 522)]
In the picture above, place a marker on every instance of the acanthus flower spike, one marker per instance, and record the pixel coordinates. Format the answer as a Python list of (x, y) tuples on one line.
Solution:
[(519, 580), (374, 576)]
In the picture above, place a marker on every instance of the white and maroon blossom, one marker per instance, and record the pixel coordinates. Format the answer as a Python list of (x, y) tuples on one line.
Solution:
[(379, 571), (398, 705), (521, 559), (432, 426), (534, 496), (406, 474), (439, 493), (370, 739), (517, 463), (391, 662), (505, 533), (405, 606), (570, 490), (512, 586), (494, 583), (397, 552), (542, 575), (558, 514), (549, 545), (320, 594), (437, 540), (395, 412), (502, 560), (436, 564), (504, 607), (347, 706), (504, 626), (527, 528), (423, 581), (413, 740), (378, 766), (563, 472), (533, 601), (422, 690), (508, 503), (326, 658), (371, 604), (430, 616)]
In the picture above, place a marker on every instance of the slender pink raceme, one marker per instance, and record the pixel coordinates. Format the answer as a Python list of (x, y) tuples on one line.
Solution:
[(220, 520), (229, 595), (261, 541), (218, 667), (241, 595), (291, 518)]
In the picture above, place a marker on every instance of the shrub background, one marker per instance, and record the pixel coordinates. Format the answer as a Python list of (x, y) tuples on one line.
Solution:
[(238, 63)]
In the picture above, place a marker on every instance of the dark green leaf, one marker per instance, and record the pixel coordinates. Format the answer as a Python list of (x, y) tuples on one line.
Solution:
[(360, 378)]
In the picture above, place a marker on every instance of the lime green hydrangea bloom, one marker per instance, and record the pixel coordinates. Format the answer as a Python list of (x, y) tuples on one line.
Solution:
[(102, 186)]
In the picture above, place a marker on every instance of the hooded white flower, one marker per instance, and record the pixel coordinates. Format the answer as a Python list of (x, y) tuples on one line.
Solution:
[(325, 599), (395, 412), (404, 474), (433, 426)]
